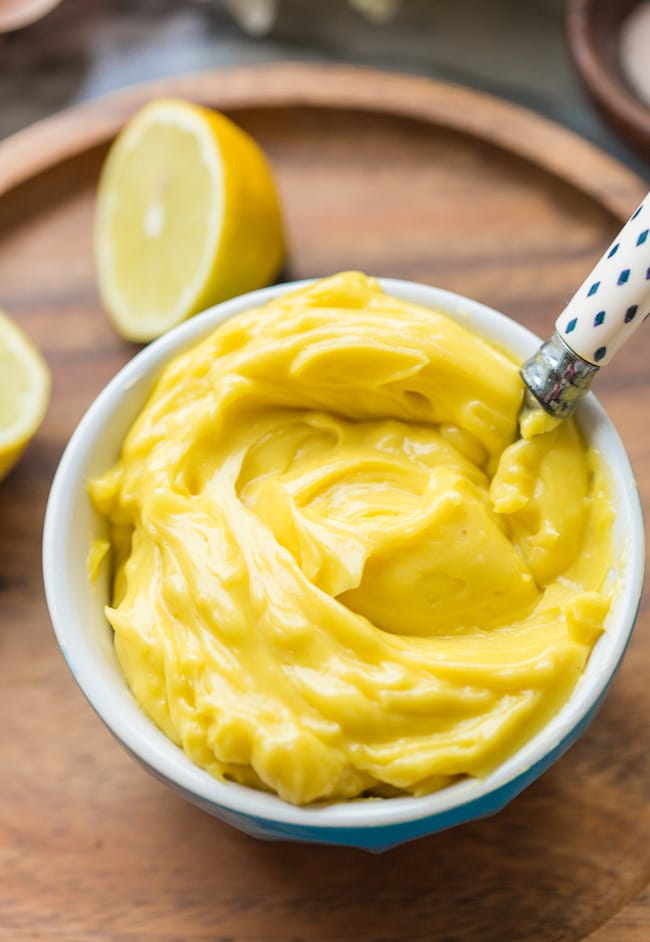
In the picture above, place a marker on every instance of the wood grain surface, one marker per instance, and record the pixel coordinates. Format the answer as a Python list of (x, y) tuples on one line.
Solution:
[(400, 177)]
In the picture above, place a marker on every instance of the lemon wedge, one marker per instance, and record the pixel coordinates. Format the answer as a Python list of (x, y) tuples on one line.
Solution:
[(187, 216), (24, 392)]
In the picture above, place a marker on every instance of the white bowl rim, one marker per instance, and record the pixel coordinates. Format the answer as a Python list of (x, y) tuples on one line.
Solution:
[(169, 761)]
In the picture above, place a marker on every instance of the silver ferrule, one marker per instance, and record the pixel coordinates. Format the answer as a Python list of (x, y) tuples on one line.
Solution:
[(557, 377)]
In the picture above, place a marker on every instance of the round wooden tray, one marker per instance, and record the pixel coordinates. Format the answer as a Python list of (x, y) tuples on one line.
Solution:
[(397, 176)]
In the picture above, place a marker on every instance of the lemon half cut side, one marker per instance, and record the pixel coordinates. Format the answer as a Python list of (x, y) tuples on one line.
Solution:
[(24, 392), (187, 215)]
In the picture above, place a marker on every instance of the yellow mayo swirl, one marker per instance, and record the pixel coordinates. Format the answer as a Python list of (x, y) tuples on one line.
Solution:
[(334, 572)]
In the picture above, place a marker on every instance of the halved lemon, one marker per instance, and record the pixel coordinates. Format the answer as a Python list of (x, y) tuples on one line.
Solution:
[(24, 392), (187, 216)]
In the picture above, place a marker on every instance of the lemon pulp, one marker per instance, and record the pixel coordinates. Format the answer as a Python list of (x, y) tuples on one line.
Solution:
[(187, 216), (24, 392)]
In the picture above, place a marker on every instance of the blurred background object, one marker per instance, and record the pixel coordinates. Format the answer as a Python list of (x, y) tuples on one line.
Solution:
[(635, 50), (514, 50), (257, 16), (15, 14), (610, 44)]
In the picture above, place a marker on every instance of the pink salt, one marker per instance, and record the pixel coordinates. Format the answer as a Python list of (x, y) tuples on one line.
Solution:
[(635, 50)]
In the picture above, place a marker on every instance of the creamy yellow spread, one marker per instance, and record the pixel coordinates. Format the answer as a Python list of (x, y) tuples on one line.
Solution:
[(336, 572), (536, 421)]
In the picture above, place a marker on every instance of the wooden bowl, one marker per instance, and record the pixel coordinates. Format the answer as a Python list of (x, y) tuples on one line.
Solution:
[(594, 28)]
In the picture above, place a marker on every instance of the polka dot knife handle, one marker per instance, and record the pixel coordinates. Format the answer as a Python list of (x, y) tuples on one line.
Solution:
[(603, 313), (615, 298)]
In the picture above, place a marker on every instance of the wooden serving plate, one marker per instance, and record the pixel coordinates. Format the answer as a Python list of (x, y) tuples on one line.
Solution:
[(397, 176)]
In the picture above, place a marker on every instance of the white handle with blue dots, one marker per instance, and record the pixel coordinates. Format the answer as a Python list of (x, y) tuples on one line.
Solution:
[(615, 298)]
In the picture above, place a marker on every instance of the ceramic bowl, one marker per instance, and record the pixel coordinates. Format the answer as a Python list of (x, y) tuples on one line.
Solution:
[(594, 36), (76, 609), (15, 14)]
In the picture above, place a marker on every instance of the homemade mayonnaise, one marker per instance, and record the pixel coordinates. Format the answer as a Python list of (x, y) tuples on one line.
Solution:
[(336, 571)]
